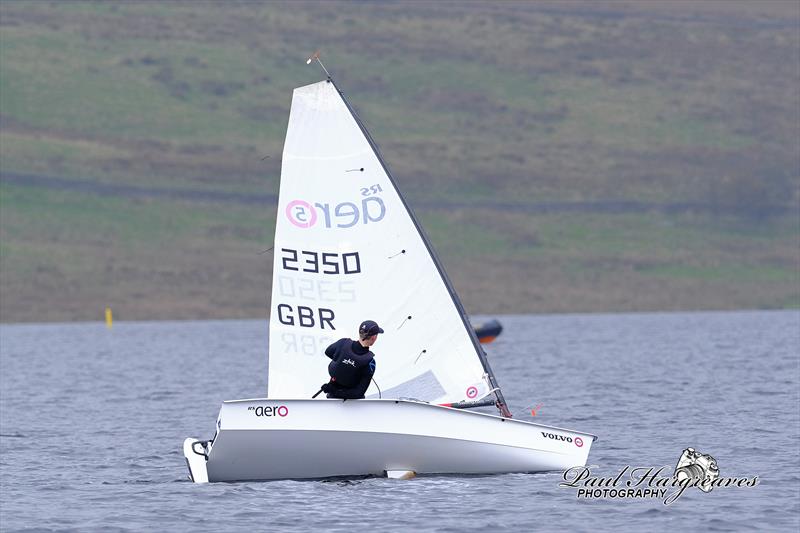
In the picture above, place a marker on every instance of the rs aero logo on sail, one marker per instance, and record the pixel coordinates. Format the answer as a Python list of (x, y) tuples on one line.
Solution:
[(368, 209)]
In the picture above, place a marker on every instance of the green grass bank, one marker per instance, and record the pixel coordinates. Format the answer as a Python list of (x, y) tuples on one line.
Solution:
[(518, 131)]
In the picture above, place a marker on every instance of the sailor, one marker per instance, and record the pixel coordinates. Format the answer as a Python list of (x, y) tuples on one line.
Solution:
[(353, 364)]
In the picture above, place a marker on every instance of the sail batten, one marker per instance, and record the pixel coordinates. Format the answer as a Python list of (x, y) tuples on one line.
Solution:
[(337, 242)]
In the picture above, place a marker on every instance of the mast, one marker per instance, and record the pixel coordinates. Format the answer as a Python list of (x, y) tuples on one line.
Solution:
[(500, 403)]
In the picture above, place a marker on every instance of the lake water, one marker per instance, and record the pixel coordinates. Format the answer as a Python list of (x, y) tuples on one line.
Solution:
[(92, 422)]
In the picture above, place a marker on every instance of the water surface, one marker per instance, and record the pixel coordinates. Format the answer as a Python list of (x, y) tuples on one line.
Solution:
[(92, 421)]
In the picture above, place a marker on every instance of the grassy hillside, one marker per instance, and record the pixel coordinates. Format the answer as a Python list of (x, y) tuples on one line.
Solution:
[(564, 156)]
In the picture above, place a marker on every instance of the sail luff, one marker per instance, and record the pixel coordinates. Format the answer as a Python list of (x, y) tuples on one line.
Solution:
[(501, 403)]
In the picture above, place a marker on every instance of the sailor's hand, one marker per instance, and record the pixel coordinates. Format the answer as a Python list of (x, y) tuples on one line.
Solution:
[(328, 387)]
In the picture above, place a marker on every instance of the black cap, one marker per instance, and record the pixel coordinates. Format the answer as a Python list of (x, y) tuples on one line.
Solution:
[(369, 328)]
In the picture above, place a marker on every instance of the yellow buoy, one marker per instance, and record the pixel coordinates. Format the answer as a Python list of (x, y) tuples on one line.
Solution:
[(109, 318)]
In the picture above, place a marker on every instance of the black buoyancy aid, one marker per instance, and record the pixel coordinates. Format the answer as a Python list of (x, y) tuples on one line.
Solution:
[(348, 367)]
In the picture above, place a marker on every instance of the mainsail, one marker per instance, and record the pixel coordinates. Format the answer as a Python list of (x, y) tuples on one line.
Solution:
[(347, 248)]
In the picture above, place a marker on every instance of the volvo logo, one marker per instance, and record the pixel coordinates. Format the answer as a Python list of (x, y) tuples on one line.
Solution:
[(558, 437)]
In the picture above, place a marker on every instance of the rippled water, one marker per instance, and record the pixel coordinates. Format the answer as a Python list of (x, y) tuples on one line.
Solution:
[(92, 422)]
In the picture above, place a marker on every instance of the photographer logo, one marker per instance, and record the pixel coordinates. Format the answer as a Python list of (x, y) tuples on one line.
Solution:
[(693, 469)]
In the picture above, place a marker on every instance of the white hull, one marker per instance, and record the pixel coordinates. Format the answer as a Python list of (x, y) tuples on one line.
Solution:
[(296, 439)]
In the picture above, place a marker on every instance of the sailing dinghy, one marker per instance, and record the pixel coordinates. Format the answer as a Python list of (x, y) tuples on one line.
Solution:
[(348, 247)]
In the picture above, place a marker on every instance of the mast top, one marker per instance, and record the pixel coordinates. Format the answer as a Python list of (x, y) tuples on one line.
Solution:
[(315, 57)]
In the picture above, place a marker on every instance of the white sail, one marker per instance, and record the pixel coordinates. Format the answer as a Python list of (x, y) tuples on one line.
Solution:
[(347, 250)]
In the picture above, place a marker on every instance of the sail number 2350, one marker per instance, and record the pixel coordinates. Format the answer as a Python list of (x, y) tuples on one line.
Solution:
[(324, 263)]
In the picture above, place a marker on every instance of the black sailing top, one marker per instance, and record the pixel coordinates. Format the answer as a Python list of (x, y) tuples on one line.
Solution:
[(351, 370)]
